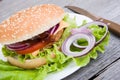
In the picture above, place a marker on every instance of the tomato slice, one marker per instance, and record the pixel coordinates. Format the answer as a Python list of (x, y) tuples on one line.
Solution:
[(34, 47)]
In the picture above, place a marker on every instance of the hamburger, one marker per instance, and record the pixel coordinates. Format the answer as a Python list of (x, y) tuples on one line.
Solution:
[(44, 39), (30, 31)]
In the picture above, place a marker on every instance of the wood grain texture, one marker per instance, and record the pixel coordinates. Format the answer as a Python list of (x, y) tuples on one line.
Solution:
[(112, 73), (109, 9)]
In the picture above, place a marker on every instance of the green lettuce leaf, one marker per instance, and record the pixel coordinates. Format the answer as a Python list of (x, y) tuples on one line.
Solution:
[(82, 61), (72, 24)]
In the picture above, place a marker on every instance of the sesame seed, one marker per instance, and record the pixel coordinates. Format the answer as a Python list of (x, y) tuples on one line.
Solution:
[(13, 36), (4, 25), (3, 36)]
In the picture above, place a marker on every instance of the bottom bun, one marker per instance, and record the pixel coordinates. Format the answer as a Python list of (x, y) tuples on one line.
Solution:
[(28, 64)]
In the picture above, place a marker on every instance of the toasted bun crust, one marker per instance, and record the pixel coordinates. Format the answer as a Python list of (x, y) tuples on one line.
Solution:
[(28, 23), (28, 64)]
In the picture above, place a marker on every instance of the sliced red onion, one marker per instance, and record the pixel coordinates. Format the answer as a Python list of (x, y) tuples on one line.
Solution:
[(69, 41), (18, 46), (98, 23), (77, 45), (104, 25), (84, 29), (80, 30), (53, 29), (85, 33)]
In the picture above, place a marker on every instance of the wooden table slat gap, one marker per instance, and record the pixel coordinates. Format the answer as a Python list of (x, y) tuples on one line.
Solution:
[(104, 69)]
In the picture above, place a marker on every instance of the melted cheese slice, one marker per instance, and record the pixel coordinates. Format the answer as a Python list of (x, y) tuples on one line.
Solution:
[(62, 25)]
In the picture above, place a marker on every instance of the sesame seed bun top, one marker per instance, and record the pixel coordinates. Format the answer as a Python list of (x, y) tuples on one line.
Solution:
[(28, 23)]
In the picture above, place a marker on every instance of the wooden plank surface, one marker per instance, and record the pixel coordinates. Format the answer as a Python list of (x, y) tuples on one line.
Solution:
[(109, 9), (112, 73)]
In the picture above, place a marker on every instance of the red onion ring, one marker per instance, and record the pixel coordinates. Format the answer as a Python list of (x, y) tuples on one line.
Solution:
[(98, 23), (67, 43), (80, 30), (85, 33), (85, 29), (18, 46), (53, 29), (79, 46)]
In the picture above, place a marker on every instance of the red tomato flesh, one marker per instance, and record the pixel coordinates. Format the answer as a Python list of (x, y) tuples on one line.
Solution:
[(33, 48)]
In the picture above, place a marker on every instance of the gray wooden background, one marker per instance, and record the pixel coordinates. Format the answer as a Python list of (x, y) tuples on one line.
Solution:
[(106, 66)]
